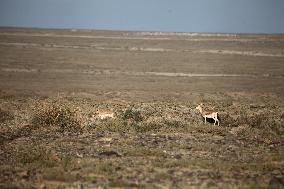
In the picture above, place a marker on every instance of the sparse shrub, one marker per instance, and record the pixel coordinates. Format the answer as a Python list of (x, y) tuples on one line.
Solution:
[(241, 130), (58, 114), (5, 116), (132, 115), (112, 125), (67, 162), (256, 120), (58, 174), (268, 125), (174, 124), (37, 155), (227, 120), (261, 123), (145, 127)]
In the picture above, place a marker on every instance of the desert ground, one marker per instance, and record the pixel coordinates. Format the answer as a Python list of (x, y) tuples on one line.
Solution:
[(52, 82)]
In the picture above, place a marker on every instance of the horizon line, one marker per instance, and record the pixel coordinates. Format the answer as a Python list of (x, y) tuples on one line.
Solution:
[(139, 31)]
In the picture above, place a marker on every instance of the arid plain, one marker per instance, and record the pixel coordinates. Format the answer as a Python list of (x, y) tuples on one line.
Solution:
[(53, 81)]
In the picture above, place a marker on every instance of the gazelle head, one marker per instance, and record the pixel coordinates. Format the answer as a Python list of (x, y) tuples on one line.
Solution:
[(199, 107)]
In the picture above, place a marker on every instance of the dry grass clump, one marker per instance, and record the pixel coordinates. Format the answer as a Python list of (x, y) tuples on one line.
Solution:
[(175, 124), (132, 114), (258, 121), (58, 174), (58, 114), (111, 125), (5, 116), (262, 121), (39, 155), (147, 127), (33, 154)]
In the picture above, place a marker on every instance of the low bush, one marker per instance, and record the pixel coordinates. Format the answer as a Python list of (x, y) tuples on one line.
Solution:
[(175, 124), (58, 114), (34, 155), (146, 127), (5, 116), (132, 114), (111, 125)]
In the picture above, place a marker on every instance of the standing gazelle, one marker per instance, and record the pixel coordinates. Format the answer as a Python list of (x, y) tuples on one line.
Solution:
[(208, 114)]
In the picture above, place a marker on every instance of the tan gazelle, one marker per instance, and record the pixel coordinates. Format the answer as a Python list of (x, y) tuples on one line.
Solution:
[(103, 114), (208, 114)]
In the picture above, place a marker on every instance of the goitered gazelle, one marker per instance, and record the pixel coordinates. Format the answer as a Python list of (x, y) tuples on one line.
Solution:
[(208, 114), (103, 114)]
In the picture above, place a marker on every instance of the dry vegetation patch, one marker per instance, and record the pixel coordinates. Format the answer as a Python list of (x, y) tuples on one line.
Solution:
[(5, 115), (58, 114), (146, 145)]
